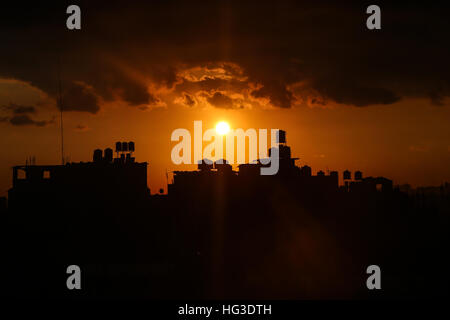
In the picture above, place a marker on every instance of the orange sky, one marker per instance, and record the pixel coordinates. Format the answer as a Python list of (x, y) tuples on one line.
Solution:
[(407, 141), (348, 97)]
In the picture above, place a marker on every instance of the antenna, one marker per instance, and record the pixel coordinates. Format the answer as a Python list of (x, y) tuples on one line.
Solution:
[(60, 103)]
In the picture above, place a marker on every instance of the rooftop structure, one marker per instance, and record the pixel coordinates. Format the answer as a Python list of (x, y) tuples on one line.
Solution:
[(104, 177)]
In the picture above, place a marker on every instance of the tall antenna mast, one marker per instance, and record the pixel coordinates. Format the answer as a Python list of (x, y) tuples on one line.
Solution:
[(60, 103), (167, 179)]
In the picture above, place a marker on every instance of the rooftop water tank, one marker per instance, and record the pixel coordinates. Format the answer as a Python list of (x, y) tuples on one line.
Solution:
[(98, 155)]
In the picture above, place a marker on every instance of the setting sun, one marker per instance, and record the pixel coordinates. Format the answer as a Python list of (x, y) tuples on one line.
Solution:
[(222, 128)]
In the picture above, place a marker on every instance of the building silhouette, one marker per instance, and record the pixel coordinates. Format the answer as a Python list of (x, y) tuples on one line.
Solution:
[(249, 174), (104, 179), (219, 232), (3, 204)]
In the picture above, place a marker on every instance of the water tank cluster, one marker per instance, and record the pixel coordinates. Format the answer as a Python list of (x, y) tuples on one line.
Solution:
[(347, 175), (124, 148), (103, 157), (124, 152), (108, 155), (98, 155)]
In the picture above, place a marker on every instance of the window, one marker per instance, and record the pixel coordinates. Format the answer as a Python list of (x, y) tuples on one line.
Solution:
[(46, 174), (21, 174)]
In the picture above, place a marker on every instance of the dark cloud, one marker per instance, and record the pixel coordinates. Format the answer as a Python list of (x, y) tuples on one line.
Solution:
[(153, 99), (20, 116), (437, 97), (210, 84), (262, 47), (25, 120), (24, 109), (219, 100), (136, 95), (189, 100), (277, 93), (356, 95), (80, 97), (20, 109), (82, 128)]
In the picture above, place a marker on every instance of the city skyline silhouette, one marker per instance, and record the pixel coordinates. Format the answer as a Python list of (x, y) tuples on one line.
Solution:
[(220, 233), (94, 95)]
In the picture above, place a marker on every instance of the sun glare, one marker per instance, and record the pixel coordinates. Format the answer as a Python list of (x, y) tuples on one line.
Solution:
[(222, 128)]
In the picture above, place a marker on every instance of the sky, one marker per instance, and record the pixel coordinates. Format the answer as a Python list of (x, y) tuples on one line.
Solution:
[(348, 97)]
